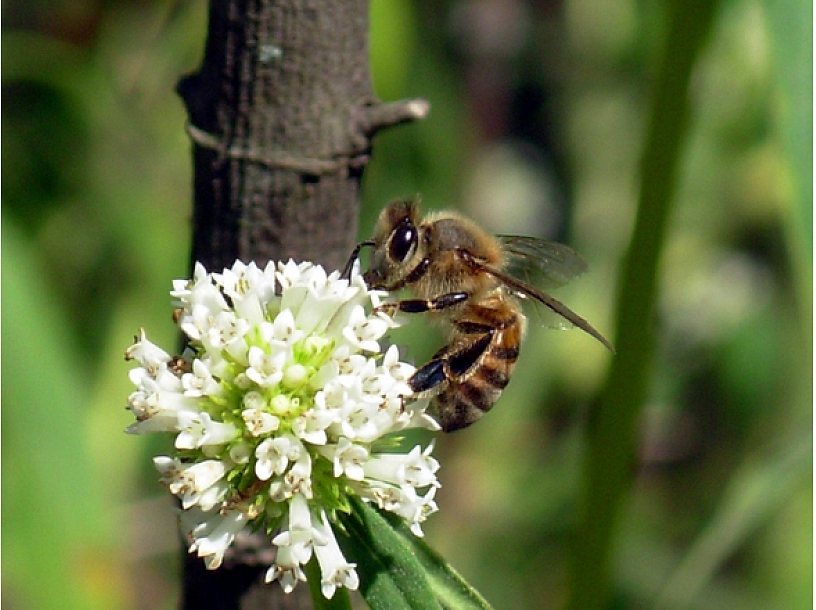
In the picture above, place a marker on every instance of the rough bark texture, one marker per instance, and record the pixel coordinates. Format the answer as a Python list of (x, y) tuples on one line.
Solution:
[(281, 116)]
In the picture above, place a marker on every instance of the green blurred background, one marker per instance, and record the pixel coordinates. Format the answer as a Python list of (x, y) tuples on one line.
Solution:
[(539, 112)]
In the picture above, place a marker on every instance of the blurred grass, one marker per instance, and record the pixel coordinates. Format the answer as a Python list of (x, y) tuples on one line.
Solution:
[(538, 112), (754, 492)]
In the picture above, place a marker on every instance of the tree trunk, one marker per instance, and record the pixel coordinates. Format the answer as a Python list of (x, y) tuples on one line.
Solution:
[(281, 115)]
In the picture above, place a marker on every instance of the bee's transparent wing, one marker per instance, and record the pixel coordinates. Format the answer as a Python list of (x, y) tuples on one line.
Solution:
[(541, 263), (540, 316), (533, 264)]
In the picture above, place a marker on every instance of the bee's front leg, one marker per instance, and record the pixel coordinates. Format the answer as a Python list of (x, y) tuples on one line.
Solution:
[(423, 305)]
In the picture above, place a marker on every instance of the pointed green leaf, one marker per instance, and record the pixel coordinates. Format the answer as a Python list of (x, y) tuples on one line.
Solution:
[(397, 569)]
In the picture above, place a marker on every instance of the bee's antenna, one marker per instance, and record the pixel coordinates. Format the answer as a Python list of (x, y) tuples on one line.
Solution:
[(355, 254)]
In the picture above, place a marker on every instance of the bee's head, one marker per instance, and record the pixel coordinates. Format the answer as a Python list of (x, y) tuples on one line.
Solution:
[(396, 244)]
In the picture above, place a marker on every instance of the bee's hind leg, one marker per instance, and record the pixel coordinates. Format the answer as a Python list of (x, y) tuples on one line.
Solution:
[(467, 377), (450, 363)]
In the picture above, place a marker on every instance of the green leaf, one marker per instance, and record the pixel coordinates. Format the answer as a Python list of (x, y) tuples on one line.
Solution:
[(450, 588), (397, 569)]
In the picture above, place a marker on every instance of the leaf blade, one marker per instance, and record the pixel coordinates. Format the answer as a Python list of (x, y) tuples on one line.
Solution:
[(397, 569)]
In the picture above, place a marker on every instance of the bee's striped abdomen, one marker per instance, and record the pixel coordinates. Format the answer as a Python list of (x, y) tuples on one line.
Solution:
[(474, 386)]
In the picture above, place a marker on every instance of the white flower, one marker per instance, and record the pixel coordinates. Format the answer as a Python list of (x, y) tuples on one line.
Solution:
[(199, 429), (335, 570), (146, 353), (301, 535), (416, 469), (158, 398), (348, 458), (196, 484), (283, 331), (286, 569), (266, 369), (415, 508), (259, 422), (273, 455), (298, 479), (156, 409), (200, 382), (280, 409), (399, 371), (415, 416), (226, 332), (211, 542), (364, 332), (311, 425)]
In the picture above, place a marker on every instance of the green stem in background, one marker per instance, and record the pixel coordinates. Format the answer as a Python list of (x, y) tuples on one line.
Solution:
[(610, 443), (790, 25)]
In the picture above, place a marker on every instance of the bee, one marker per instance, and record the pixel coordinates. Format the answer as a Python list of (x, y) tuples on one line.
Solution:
[(467, 279)]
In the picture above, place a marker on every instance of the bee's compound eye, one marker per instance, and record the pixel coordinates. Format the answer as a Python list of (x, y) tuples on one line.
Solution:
[(403, 241)]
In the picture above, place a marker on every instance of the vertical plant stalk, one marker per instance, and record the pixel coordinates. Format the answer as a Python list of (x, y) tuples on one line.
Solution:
[(611, 435), (281, 116)]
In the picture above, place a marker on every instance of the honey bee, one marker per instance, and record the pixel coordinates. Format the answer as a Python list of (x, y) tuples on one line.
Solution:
[(466, 279)]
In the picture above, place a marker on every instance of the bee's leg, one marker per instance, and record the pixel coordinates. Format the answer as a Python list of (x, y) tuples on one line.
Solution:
[(450, 363), (424, 305), (467, 377), (428, 376)]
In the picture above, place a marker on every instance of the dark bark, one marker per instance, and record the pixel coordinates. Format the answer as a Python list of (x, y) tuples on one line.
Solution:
[(281, 116)]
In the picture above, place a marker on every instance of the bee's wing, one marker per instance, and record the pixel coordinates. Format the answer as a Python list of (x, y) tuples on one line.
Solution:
[(542, 263), (551, 264)]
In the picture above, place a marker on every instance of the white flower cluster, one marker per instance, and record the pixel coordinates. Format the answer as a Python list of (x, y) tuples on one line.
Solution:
[(280, 408)]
